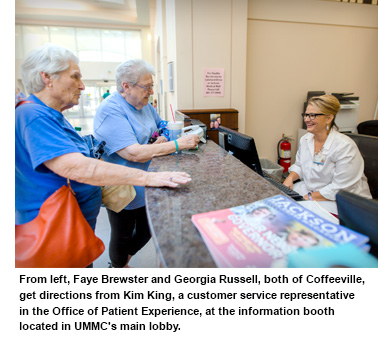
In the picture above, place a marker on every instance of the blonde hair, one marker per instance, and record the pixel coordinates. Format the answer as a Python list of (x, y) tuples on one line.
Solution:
[(326, 104)]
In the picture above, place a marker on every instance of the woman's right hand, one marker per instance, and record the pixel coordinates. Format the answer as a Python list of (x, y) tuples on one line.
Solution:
[(289, 182), (167, 179), (188, 141)]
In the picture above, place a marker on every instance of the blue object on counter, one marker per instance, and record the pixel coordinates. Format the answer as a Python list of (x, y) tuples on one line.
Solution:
[(163, 131), (346, 255)]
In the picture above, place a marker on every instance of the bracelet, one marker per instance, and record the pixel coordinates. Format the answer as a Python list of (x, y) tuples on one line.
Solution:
[(177, 147), (309, 196)]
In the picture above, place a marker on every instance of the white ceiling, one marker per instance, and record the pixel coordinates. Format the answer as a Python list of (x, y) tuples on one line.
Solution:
[(85, 12)]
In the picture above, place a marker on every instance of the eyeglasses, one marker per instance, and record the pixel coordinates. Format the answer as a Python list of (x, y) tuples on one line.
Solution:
[(312, 116), (148, 88)]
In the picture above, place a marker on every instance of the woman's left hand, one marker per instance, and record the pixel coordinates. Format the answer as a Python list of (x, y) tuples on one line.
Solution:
[(167, 179), (188, 141), (160, 139), (316, 196)]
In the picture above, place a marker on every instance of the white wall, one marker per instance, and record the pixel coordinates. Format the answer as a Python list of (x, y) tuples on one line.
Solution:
[(295, 46), (183, 57), (211, 26), (171, 48), (160, 57), (205, 34)]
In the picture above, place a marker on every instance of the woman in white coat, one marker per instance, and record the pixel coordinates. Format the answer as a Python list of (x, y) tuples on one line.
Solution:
[(327, 160)]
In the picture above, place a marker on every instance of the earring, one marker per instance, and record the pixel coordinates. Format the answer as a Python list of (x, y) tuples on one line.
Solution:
[(327, 127)]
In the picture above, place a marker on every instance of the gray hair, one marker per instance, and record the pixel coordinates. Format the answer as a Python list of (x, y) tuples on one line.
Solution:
[(50, 59), (131, 71)]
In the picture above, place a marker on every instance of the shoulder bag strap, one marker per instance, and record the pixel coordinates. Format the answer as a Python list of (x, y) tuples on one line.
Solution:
[(24, 101), (69, 187)]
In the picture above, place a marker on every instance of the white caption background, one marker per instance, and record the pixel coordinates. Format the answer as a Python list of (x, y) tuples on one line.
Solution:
[(219, 317)]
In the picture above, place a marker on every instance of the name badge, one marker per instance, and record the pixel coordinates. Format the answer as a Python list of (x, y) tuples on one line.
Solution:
[(319, 158)]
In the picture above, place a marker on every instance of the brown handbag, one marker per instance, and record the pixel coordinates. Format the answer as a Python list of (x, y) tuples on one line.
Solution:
[(117, 197), (59, 237)]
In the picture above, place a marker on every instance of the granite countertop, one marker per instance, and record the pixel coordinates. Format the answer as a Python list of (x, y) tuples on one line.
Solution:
[(219, 181)]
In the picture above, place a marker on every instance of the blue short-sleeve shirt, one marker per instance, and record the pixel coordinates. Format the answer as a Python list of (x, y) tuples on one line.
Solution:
[(42, 133), (120, 125)]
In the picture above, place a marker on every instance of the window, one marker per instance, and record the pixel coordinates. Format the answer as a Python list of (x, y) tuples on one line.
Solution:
[(133, 45), (64, 36), (89, 44), (113, 46), (18, 43), (34, 36)]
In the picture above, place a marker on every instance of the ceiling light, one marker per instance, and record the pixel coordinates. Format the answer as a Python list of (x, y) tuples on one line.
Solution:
[(119, 2)]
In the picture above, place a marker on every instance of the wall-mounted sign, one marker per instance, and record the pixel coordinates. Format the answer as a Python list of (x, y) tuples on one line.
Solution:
[(213, 82)]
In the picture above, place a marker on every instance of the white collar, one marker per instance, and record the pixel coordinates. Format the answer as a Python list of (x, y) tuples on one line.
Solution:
[(309, 137)]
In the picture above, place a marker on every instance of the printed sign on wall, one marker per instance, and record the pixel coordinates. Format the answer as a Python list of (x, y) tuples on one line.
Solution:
[(213, 82)]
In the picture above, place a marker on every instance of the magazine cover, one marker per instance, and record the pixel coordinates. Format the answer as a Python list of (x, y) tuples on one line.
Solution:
[(263, 233)]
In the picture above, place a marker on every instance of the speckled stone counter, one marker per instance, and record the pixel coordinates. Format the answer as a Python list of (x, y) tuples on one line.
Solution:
[(219, 181)]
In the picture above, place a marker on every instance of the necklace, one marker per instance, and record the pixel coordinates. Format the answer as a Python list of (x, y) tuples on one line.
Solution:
[(317, 152), (318, 147)]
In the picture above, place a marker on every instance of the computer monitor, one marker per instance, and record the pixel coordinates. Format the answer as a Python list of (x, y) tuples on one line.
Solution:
[(241, 146), (359, 214)]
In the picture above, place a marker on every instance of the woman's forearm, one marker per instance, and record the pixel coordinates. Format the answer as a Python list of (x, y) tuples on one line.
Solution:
[(77, 167), (145, 152), (289, 181)]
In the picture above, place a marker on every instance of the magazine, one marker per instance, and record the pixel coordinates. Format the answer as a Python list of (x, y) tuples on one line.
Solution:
[(263, 233)]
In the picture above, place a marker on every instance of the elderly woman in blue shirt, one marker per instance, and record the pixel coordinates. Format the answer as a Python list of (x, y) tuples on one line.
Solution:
[(126, 121), (48, 149)]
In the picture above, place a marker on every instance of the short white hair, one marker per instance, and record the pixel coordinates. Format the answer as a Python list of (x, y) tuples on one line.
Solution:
[(131, 71), (50, 59)]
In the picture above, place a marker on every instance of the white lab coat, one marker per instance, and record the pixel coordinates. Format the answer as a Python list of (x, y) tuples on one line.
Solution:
[(343, 166)]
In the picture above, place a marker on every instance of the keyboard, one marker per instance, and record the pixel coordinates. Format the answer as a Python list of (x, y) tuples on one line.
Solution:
[(286, 190)]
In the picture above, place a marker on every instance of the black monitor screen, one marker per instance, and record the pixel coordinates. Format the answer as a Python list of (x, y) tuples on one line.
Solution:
[(241, 146), (359, 214)]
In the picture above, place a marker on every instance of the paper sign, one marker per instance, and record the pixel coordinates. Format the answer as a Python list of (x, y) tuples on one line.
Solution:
[(213, 82)]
